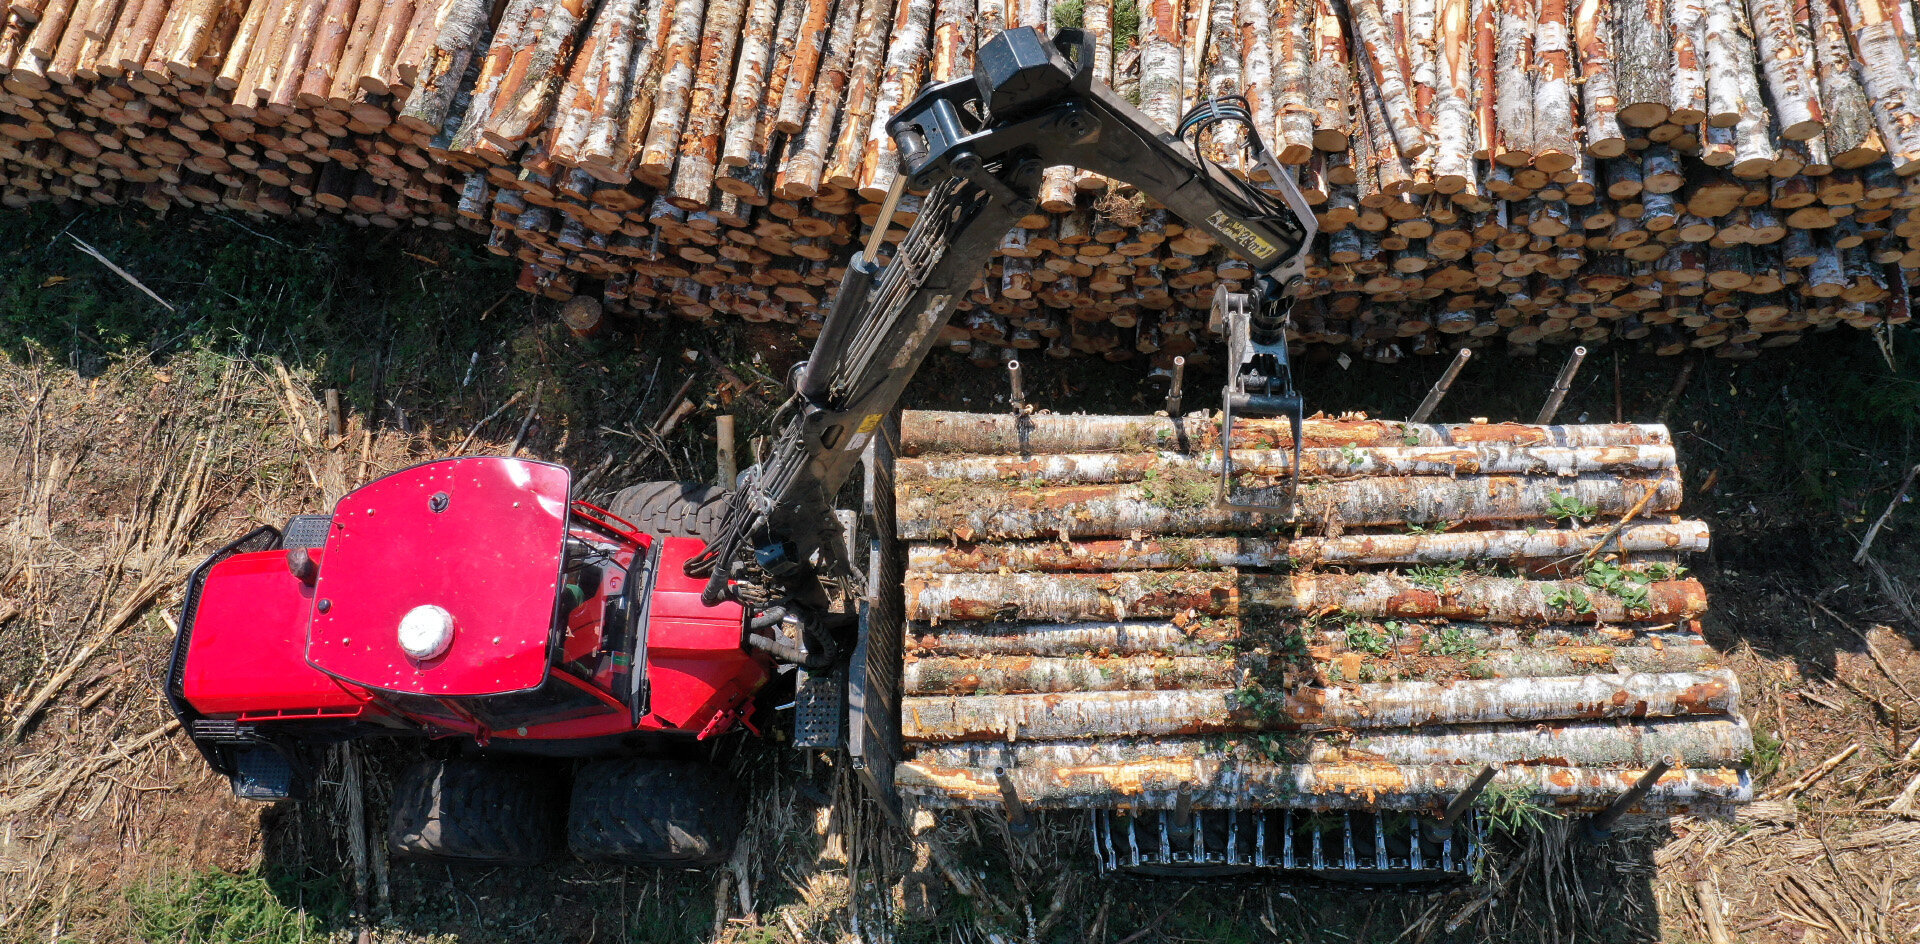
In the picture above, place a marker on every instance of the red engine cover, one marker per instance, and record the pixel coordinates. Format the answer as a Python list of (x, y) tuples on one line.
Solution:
[(481, 538), (245, 651)]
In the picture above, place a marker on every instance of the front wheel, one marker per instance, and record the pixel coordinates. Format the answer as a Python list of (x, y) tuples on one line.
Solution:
[(673, 509)]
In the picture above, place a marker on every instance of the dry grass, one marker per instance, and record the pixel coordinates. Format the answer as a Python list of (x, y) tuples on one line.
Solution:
[(121, 481), (118, 486)]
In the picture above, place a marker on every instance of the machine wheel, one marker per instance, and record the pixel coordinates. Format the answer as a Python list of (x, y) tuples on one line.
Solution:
[(673, 509), (474, 811), (653, 811)]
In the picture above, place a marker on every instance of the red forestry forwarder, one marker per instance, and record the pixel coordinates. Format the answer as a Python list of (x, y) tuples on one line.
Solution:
[(476, 606)]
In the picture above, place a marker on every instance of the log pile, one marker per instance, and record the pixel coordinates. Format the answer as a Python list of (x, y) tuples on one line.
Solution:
[(1448, 597), (1723, 174)]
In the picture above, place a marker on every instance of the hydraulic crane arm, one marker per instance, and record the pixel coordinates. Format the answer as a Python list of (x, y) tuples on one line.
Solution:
[(978, 146)]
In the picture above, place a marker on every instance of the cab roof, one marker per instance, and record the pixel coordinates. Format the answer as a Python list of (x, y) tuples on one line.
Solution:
[(481, 538)]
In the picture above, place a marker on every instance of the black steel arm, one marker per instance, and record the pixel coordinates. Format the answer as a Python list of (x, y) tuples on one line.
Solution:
[(978, 146)]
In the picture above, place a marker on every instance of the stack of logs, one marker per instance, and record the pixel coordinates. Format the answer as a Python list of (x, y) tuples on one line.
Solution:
[(1084, 620), (1698, 173)]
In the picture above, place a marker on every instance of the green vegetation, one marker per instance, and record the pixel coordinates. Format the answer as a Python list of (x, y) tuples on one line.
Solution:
[(1563, 507), (1767, 754), (223, 908), (1363, 638), (1177, 488), (1450, 641), (1569, 598), (1126, 24), (1513, 808), (1069, 14), (1661, 570), (1628, 586), (1437, 576)]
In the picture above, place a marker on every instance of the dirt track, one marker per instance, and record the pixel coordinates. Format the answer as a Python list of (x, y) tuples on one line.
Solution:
[(119, 471)]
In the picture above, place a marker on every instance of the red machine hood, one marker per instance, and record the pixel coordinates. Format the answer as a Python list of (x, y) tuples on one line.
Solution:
[(481, 539)]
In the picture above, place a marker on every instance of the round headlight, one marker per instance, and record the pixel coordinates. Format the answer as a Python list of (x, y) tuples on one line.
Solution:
[(426, 631)]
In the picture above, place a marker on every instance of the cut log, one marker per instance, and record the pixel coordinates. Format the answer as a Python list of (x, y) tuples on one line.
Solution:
[(1329, 79), (811, 43), (1013, 718), (1477, 459), (1256, 552), (1185, 506), (1593, 37), (1795, 97), (806, 161), (536, 68), (679, 54), (906, 57), (929, 432), (1643, 51), (1888, 76), (1513, 95), (1374, 39), (863, 80), (1686, 20), (1849, 116), (1554, 146), (742, 130)]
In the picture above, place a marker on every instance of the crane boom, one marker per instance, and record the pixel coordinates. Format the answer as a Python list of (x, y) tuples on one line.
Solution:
[(978, 146)]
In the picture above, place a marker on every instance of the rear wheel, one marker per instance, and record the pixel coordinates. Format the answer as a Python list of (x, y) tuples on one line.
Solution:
[(475, 811), (673, 509), (652, 811)]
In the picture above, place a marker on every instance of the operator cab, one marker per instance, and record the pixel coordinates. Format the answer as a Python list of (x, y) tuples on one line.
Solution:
[(464, 598)]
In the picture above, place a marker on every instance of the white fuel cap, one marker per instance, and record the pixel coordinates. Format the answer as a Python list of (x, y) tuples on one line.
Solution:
[(426, 631)]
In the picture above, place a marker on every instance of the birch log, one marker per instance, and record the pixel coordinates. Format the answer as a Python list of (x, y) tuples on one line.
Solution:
[(1687, 20), (679, 54), (1453, 170), (1850, 119), (692, 183), (863, 79), (1328, 80), (614, 155), (1796, 101), (934, 432), (1119, 509), (1554, 146), (1643, 51), (1375, 39), (508, 37), (595, 93), (1168, 594), (1887, 74), (750, 83), (1513, 98), (954, 41), (906, 57), (1209, 553), (1294, 107), (807, 156), (811, 42), (1600, 106), (1162, 64)]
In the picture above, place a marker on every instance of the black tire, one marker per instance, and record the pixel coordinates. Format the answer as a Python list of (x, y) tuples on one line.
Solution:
[(474, 811), (653, 811), (673, 509)]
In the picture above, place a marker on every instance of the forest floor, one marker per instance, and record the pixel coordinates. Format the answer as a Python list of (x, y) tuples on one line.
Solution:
[(136, 438)]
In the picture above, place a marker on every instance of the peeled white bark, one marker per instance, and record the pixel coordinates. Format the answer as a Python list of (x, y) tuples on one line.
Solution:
[(1784, 61)]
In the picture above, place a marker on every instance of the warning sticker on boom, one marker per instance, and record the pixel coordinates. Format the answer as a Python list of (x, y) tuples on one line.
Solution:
[(1242, 235)]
